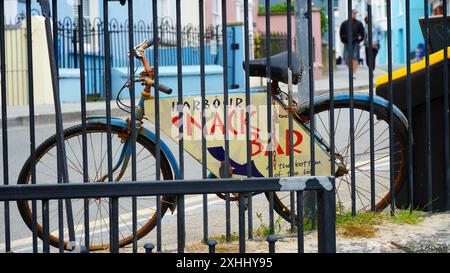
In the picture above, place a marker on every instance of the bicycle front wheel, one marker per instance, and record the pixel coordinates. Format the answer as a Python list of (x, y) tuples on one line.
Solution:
[(97, 218), (372, 186)]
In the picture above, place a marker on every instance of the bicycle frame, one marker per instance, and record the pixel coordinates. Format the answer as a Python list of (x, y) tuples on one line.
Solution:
[(125, 154), (145, 103)]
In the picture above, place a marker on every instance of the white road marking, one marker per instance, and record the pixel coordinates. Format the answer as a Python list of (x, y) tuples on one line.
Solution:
[(126, 216)]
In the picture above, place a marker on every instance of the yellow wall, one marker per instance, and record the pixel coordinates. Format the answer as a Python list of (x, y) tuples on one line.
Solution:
[(16, 65)]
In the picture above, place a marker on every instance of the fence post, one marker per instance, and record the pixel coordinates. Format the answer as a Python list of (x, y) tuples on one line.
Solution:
[(62, 159), (84, 249), (272, 239), (212, 245), (326, 206), (302, 48), (149, 248)]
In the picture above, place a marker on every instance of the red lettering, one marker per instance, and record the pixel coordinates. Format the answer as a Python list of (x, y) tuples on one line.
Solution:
[(258, 149), (217, 122), (230, 122), (189, 128), (297, 138)]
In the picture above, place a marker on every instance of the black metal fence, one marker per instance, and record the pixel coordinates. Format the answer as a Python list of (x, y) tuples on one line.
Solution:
[(68, 42), (324, 186), (69, 49), (381, 150), (68, 45)]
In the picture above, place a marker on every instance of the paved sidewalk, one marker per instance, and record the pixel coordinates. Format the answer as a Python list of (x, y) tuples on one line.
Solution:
[(429, 236), (45, 114), (341, 79)]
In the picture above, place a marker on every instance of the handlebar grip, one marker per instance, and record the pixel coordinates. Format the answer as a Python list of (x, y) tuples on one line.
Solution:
[(163, 88), (150, 42)]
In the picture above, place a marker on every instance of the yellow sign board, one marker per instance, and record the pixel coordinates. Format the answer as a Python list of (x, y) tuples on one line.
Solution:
[(214, 134)]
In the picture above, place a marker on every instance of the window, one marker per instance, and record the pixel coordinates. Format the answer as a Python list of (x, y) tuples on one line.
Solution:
[(90, 8), (400, 7), (86, 10)]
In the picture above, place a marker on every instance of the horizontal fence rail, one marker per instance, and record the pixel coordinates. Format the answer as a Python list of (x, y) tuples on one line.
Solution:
[(323, 185)]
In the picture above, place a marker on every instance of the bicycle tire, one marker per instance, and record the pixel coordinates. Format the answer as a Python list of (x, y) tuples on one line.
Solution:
[(400, 150), (47, 145)]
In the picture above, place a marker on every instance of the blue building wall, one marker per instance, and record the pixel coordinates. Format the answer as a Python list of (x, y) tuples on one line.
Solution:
[(142, 10), (399, 32), (69, 78)]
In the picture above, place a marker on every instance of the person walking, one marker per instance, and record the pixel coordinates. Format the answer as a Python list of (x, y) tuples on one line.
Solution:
[(357, 37), (377, 35)]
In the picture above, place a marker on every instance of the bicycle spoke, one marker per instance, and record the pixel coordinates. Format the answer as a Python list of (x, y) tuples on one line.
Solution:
[(359, 188), (95, 226), (337, 120), (102, 157), (323, 124), (92, 150), (71, 165), (102, 221), (76, 157), (120, 232)]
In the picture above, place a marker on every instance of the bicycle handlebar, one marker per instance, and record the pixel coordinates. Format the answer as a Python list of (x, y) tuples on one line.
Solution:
[(139, 49), (163, 88)]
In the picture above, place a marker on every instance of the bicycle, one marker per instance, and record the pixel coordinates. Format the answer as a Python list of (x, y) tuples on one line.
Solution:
[(146, 145)]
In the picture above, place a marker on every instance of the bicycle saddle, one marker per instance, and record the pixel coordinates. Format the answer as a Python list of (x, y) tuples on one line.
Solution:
[(279, 67)]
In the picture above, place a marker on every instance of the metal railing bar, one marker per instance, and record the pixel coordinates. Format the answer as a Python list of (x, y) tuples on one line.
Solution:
[(45, 226), (225, 113), (409, 107), (300, 223), (290, 117), (56, 30), (247, 116), (4, 125), (203, 95), (83, 119), (180, 198), (157, 122), (269, 115), (391, 106), (139, 188), (446, 118), (62, 159), (133, 118), (113, 204), (312, 124), (371, 63), (428, 158), (326, 233), (352, 113)]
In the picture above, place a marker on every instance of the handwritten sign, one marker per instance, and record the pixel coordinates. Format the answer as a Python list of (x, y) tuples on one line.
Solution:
[(214, 133)]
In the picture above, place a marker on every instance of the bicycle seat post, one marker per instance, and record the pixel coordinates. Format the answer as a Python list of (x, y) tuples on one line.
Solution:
[(274, 88)]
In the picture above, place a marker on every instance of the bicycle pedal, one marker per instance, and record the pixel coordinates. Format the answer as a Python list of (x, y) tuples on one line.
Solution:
[(172, 205), (245, 204)]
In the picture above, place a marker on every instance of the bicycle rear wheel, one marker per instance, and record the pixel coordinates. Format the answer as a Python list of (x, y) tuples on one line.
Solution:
[(364, 188), (46, 166)]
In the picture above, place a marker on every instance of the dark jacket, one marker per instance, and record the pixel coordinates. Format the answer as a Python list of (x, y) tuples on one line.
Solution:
[(357, 32)]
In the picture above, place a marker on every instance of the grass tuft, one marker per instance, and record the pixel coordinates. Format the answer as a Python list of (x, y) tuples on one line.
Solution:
[(222, 239), (364, 223), (408, 217)]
